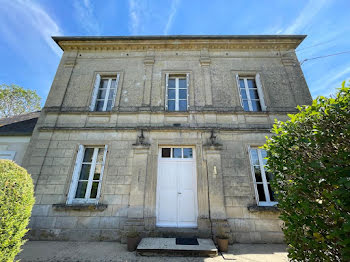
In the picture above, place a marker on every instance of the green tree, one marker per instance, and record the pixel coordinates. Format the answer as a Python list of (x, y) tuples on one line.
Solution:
[(16, 202), (309, 156), (15, 100)]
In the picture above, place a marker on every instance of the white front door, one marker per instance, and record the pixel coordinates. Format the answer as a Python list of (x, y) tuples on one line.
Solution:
[(176, 187)]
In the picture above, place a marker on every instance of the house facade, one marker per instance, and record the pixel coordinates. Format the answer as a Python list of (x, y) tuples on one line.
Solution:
[(161, 135)]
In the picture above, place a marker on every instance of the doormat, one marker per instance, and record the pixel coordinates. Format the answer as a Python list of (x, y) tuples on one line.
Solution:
[(186, 241)]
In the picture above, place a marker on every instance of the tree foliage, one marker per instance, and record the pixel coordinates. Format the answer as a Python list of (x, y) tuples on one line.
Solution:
[(16, 202), (309, 156), (15, 100)]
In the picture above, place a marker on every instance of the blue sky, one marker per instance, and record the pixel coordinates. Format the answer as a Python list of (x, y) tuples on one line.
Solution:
[(29, 57)]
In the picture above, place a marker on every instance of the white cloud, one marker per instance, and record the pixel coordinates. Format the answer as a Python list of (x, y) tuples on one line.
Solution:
[(86, 17), (307, 14), (135, 13), (174, 6), (28, 16)]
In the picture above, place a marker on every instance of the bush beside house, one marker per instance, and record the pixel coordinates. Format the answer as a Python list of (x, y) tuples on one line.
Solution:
[(310, 159), (16, 202)]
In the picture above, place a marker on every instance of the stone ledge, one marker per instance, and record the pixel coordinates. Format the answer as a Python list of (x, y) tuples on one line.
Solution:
[(80, 207), (256, 208)]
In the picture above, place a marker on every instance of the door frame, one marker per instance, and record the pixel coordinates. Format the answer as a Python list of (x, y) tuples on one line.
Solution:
[(195, 185)]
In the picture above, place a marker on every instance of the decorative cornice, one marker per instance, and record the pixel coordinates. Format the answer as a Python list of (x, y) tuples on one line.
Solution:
[(149, 60), (205, 61), (140, 44)]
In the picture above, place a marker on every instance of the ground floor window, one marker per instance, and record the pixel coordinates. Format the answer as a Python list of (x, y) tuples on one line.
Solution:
[(87, 175), (261, 178)]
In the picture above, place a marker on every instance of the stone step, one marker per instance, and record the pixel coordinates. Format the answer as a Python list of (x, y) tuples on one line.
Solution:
[(168, 247)]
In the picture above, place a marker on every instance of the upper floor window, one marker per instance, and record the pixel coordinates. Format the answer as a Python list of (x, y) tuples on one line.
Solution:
[(177, 92), (7, 155), (251, 94), (261, 178), (87, 175), (104, 94)]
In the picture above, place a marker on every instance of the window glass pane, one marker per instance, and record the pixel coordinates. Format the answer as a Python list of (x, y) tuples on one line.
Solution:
[(94, 188), (269, 176), (253, 93), (88, 154), (171, 93), (263, 155), (85, 171), (81, 189), (272, 194), (114, 81), (257, 173), (182, 105), (97, 172), (187, 152), (241, 83), (104, 83), (99, 105), (256, 105), (254, 156), (243, 93), (109, 105), (111, 93), (183, 93), (101, 94), (177, 153), (171, 83), (261, 192), (171, 105), (100, 155), (182, 83), (245, 105), (251, 83), (166, 152)]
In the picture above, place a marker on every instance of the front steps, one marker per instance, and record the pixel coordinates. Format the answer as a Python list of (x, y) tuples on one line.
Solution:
[(168, 247)]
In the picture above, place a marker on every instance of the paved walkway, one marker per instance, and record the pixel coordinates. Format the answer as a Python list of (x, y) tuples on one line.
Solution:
[(50, 251)]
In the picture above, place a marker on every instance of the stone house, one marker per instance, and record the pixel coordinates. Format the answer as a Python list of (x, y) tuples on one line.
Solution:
[(161, 134)]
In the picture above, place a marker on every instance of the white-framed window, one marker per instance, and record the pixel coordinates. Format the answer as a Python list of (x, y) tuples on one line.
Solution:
[(7, 155), (87, 175), (104, 93), (177, 152), (251, 94), (177, 92), (261, 178)]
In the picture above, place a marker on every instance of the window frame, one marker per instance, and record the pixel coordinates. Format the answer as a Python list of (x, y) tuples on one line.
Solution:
[(9, 153), (177, 99), (76, 175), (94, 99), (264, 182), (256, 77)]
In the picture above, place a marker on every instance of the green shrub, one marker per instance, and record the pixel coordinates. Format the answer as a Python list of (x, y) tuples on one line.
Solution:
[(310, 159), (16, 203)]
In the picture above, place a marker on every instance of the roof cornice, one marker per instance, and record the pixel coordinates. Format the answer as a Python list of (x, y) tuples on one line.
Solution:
[(193, 42)]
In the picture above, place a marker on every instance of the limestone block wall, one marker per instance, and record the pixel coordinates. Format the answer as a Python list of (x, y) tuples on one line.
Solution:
[(55, 163)]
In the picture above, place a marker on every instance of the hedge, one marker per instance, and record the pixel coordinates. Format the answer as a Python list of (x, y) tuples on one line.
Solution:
[(309, 156), (16, 202)]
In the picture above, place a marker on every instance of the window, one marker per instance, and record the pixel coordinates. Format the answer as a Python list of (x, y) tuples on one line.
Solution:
[(261, 178), (251, 93), (87, 175), (104, 94), (177, 152), (177, 92), (7, 155)]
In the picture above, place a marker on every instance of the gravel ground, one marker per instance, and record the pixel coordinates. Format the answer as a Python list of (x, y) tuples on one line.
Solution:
[(50, 251)]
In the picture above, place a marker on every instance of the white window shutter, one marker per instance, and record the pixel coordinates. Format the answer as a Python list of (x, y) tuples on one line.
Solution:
[(76, 172), (115, 91), (101, 175), (166, 90), (188, 85), (239, 90), (260, 91), (94, 92)]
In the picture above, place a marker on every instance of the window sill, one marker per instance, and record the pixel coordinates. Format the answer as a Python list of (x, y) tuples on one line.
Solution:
[(256, 208), (79, 207)]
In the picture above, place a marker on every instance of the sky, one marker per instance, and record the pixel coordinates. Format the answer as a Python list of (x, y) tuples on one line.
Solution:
[(29, 57)]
